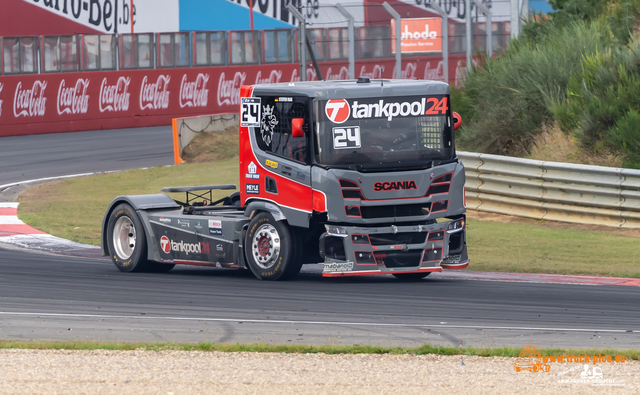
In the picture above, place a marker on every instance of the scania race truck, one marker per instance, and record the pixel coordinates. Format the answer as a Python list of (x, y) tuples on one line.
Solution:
[(359, 176)]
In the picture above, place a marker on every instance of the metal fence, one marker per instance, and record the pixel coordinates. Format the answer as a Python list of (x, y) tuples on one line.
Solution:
[(552, 191), (73, 53)]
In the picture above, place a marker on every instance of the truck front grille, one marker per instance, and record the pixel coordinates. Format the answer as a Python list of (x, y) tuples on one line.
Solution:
[(404, 210), (398, 238)]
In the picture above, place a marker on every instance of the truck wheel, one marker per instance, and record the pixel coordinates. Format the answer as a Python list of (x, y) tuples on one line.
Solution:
[(127, 242), (270, 249), (410, 276)]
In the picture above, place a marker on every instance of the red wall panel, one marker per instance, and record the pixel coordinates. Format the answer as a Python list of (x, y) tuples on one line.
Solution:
[(68, 102)]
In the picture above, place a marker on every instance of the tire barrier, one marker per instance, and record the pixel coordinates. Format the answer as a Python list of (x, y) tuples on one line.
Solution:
[(553, 191)]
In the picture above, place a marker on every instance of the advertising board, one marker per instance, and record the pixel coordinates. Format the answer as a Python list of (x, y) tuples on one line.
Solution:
[(418, 35)]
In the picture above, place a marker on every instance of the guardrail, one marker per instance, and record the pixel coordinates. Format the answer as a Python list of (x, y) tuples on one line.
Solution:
[(552, 191)]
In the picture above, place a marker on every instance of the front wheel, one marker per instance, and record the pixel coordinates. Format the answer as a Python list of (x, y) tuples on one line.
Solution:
[(410, 276), (127, 242), (271, 249)]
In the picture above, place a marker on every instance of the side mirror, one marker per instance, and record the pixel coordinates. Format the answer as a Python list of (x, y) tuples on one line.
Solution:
[(457, 120), (296, 127)]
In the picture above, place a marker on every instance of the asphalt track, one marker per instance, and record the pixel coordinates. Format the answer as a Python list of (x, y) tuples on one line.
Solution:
[(25, 158), (51, 297)]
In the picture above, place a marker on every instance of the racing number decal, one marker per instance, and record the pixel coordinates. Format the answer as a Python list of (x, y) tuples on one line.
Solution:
[(439, 107), (250, 111), (346, 137)]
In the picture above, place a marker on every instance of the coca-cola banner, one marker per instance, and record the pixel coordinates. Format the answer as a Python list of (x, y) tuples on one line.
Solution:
[(66, 102)]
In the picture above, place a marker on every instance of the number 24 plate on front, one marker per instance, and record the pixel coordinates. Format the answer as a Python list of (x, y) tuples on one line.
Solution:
[(250, 111)]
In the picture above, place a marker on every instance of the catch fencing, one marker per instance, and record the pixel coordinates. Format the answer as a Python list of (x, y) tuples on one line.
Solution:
[(552, 191)]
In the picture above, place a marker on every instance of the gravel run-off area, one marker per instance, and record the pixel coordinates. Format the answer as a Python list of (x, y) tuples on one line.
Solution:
[(178, 372)]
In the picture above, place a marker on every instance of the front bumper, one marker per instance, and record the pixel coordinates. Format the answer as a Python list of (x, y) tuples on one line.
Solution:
[(353, 250)]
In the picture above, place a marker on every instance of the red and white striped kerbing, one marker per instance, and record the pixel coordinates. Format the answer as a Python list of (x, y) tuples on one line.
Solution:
[(10, 225)]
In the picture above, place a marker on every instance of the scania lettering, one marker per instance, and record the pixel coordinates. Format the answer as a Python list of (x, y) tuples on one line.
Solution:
[(360, 177), (389, 186)]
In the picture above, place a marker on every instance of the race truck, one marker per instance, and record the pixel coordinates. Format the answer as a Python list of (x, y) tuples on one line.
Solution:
[(360, 176)]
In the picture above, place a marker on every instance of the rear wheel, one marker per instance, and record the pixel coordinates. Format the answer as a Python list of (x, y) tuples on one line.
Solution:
[(127, 242), (410, 276), (271, 249)]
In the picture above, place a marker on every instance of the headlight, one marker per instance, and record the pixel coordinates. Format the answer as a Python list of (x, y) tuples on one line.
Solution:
[(339, 231), (455, 226)]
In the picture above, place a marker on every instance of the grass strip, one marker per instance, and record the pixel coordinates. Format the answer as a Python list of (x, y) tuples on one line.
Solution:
[(73, 209), (303, 349)]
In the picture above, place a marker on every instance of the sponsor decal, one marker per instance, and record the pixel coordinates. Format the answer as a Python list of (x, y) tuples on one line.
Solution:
[(184, 223), (199, 225), (270, 163), (163, 260), (155, 95), (165, 244), (346, 137), (253, 170), (165, 220), (250, 112), (73, 99), (337, 110), (215, 227), (394, 186), (1, 87), (115, 98), (219, 247), (229, 90), (337, 267), (389, 110), (30, 102), (284, 99), (274, 77), (300, 176), (180, 246), (253, 189), (268, 123), (452, 259), (194, 94)]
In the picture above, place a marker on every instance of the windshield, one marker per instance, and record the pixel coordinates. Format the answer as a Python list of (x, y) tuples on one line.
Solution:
[(377, 133)]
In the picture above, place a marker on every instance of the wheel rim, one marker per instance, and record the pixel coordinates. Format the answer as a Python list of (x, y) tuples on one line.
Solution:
[(265, 246), (124, 237)]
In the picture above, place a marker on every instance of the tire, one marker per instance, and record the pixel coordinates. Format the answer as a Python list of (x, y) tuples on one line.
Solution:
[(410, 276), (271, 249), (127, 242)]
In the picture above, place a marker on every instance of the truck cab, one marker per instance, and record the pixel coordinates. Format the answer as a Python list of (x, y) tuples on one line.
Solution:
[(365, 172)]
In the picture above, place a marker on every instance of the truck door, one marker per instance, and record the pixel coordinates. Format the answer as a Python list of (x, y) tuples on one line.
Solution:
[(276, 164)]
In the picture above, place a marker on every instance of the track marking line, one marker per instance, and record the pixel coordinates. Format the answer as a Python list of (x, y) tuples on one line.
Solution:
[(13, 184), (334, 323)]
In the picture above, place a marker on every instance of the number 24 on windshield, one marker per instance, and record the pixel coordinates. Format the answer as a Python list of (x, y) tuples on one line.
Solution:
[(439, 107)]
